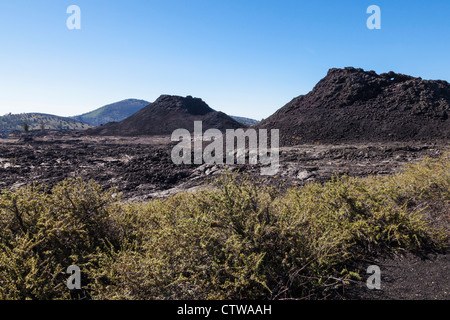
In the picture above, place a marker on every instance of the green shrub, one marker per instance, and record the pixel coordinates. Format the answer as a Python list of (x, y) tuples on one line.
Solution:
[(233, 241), (41, 234)]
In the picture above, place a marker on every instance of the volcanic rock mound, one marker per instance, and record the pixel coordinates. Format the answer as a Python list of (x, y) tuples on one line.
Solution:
[(352, 105), (167, 114)]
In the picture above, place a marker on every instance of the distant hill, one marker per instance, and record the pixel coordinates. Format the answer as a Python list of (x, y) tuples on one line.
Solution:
[(355, 105), (114, 112), (38, 121), (246, 121), (167, 114), (118, 111)]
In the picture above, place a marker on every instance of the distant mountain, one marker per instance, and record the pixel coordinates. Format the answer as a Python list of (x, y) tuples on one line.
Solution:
[(38, 121), (246, 121), (351, 105), (167, 114), (114, 112)]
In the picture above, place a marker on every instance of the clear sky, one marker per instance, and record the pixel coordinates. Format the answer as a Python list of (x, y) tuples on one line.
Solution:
[(243, 57)]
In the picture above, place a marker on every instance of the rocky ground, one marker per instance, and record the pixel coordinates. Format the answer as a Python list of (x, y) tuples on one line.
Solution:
[(141, 168)]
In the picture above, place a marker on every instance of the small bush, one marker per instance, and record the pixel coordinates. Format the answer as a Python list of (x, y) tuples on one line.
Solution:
[(42, 233)]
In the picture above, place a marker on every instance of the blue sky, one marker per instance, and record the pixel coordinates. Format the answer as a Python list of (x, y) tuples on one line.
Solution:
[(243, 57)]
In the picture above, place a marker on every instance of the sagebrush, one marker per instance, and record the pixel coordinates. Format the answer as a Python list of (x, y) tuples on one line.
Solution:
[(235, 240)]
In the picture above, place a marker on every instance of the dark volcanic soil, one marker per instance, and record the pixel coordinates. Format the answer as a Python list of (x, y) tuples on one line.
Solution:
[(142, 167), (353, 105), (135, 168), (405, 276)]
